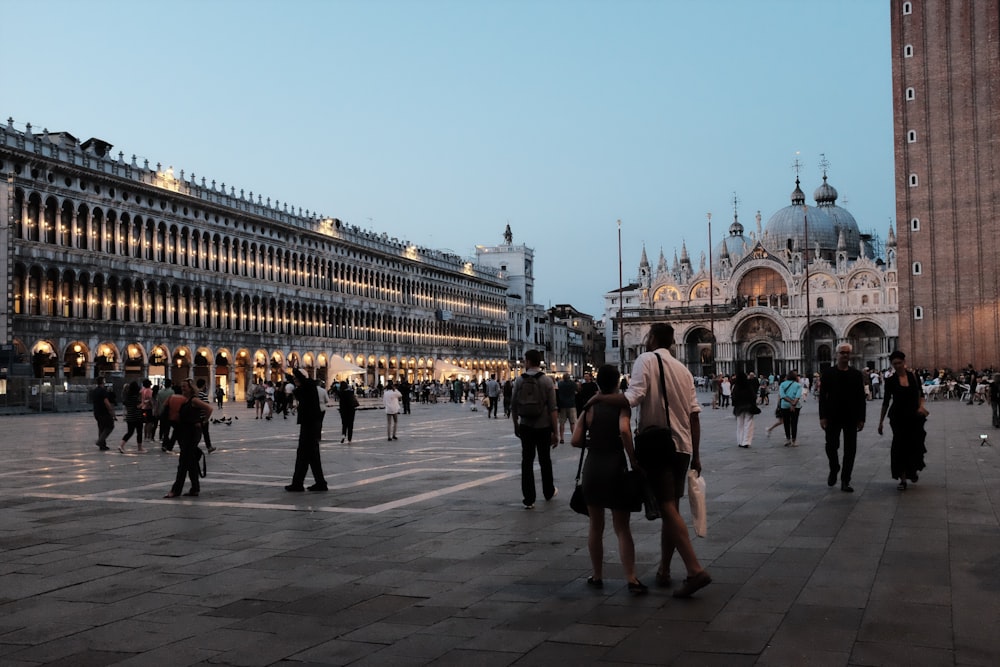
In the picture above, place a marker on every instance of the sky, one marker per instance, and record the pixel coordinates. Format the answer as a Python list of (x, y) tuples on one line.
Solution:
[(439, 122)]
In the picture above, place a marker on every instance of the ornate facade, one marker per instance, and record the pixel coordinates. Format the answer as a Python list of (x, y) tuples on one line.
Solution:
[(117, 268), (766, 303)]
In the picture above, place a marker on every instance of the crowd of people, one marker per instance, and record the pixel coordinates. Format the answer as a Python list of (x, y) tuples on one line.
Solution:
[(597, 415)]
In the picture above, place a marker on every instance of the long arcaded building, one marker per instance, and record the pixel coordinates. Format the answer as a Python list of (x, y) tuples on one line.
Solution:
[(118, 268)]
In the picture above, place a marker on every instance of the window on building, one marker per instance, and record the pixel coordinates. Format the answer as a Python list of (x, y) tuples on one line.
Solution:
[(819, 302), (907, 8), (911, 94), (918, 313), (908, 51), (917, 269), (911, 136), (913, 180), (915, 224)]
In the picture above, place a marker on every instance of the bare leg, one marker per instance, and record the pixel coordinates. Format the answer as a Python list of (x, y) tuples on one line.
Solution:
[(675, 536), (626, 546), (595, 541)]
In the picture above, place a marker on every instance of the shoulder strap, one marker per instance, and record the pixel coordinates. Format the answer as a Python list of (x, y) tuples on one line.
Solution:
[(663, 388)]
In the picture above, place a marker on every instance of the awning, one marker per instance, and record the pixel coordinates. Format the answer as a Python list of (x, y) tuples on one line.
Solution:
[(444, 369), (338, 366)]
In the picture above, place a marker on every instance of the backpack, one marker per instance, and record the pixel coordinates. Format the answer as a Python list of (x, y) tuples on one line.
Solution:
[(530, 397)]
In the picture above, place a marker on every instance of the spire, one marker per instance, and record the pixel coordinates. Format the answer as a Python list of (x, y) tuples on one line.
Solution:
[(684, 252), (891, 242), (841, 241), (644, 262), (798, 197), (661, 265), (676, 267)]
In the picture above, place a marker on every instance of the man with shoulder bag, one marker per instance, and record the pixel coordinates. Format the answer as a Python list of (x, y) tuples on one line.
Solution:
[(667, 444)]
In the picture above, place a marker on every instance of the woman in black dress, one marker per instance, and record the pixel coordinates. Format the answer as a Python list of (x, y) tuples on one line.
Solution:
[(609, 442), (904, 402)]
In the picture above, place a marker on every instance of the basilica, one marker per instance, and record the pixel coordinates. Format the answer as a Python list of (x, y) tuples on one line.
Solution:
[(779, 298)]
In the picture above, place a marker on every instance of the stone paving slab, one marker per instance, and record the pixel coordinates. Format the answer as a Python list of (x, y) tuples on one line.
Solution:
[(420, 553)]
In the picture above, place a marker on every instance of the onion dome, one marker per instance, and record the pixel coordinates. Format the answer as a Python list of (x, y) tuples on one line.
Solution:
[(732, 246), (842, 220), (786, 229)]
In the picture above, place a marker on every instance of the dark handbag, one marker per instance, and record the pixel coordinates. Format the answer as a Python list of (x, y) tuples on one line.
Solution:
[(639, 495), (577, 502)]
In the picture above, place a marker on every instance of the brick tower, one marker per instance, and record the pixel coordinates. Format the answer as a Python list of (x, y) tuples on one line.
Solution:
[(946, 102)]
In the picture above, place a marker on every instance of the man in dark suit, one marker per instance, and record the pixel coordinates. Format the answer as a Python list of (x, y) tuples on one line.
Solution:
[(842, 409)]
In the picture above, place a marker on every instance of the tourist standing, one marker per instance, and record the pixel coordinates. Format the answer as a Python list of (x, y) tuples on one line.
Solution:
[(745, 408), (606, 431), (666, 466), (533, 407), (391, 401)]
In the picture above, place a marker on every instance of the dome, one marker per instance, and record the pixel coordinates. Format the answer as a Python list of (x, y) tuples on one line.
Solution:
[(825, 193), (786, 228), (826, 199), (734, 245)]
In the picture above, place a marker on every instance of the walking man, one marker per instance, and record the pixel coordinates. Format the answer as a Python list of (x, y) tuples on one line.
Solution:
[(104, 413), (566, 402), (533, 406), (667, 470), (842, 409), (492, 393)]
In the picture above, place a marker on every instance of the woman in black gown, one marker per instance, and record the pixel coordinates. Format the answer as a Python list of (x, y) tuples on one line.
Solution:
[(904, 402)]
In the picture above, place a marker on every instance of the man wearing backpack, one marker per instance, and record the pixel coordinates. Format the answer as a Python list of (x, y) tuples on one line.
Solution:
[(533, 406)]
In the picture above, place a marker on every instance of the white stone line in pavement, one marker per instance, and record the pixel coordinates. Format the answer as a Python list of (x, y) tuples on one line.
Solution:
[(374, 509)]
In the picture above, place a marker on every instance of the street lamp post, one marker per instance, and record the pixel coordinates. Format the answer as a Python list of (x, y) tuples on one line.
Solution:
[(621, 297), (711, 295), (807, 357)]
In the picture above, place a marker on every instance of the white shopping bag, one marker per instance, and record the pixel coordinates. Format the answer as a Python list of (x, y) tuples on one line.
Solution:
[(696, 495)]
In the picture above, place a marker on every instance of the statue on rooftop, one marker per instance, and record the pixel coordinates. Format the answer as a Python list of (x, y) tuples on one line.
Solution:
[(508, 237)]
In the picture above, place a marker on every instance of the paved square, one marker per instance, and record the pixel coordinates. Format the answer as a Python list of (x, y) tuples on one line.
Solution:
[(420, 552)]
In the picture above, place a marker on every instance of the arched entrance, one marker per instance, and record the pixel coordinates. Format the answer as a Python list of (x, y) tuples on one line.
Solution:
[(700, 352), (818, 347), (761, 358), (868, 340)]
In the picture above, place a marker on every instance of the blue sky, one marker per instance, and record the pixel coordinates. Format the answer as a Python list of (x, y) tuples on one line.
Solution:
[(440, 121)]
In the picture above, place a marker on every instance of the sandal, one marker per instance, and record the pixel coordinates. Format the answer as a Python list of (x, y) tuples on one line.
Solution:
[(637, 588), (596, 583), (171, 494)]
